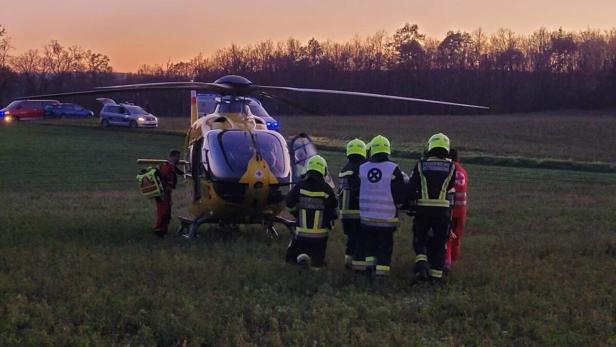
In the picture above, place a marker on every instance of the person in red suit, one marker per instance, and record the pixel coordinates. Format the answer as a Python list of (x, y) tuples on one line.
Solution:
[(168, 172), (458, 213)]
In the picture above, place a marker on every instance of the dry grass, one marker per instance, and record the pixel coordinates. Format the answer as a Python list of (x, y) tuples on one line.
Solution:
[(79, 267)]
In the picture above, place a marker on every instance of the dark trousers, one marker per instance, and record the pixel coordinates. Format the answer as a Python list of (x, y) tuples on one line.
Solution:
[(163, 212), (430, 234), (314, 247), (351, 230), (375, 246)]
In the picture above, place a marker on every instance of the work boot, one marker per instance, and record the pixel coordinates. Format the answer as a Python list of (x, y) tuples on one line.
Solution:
[(159, 232), (303, 260), (422, 271)]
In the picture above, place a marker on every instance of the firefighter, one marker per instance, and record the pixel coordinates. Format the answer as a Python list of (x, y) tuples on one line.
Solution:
[(381, 189), (458, 212), (348, 196), (313, 203), (168, 172), (433, 177)]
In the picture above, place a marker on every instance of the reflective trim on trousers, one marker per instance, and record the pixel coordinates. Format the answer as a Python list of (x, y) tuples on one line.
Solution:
[(348, 259), (421, 257), (370, 261), (358, 265), (436, 273), (382, 270)]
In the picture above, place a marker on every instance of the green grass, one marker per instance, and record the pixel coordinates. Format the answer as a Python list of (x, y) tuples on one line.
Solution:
[(78, 265)]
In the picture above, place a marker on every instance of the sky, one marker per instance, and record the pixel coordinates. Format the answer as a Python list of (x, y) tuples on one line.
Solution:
[(136, 32)]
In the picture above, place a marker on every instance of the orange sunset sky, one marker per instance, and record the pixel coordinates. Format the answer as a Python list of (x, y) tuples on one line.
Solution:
[(135, 32)]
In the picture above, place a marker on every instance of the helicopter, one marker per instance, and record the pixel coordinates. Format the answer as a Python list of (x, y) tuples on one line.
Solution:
[(237, 171)]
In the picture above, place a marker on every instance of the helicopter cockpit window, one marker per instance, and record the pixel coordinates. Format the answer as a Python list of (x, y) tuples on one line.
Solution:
[(273, 149), (230, 152), (232, 106), (257, 109)]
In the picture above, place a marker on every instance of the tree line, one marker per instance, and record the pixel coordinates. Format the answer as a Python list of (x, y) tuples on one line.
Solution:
[(510, 72)]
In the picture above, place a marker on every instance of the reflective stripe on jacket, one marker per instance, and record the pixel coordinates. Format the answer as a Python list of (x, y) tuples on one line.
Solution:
[(435, 177), (311, 208), (348, 203)]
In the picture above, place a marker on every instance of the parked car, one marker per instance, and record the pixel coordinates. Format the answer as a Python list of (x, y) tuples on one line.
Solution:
[(125, 114), (68, 110), (26, 109)]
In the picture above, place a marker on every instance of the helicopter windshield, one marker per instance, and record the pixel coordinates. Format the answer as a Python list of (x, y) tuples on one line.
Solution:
[(230, 151), (231, 106)]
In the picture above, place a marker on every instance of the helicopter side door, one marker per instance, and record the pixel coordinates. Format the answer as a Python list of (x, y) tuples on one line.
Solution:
[(301, 149)]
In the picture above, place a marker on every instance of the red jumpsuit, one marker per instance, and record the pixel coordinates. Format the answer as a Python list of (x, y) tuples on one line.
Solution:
[(458, 217), (163, 203)]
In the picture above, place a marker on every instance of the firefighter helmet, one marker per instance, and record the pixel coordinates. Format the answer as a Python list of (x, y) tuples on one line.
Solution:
[(317, 163), (439, 140), (380, 144), (356, 146)]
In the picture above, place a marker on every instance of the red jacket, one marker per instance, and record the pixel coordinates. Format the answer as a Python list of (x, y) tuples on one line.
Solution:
[(168, 177), (460, 202)]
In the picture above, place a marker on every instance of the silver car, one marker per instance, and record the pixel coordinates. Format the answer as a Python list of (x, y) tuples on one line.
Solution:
[(125, 114)]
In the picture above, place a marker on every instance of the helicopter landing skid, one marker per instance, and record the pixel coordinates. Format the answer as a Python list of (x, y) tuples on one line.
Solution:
[(188, 227)]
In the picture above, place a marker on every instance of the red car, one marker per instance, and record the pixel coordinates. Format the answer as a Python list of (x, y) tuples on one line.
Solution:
[(26, 109)]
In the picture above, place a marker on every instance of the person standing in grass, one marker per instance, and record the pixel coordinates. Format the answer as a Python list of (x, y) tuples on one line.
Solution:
[(168, 172), (432, 179), (382, 188), (458, 213), (313, 203), (348, 196)]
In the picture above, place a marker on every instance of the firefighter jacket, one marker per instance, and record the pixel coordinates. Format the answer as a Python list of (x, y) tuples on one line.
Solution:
[(348, 192), (430, 184), (460, 185), (381, 190), (313, 203)]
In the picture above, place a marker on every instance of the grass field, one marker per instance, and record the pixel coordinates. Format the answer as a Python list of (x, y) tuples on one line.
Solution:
[(79, 266)]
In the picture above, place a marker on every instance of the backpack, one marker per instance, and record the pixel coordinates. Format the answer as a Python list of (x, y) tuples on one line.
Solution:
[(150, 183)]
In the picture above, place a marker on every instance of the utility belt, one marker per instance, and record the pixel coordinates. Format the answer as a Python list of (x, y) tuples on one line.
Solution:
[(434, 203), (349, 214), (312, 233)]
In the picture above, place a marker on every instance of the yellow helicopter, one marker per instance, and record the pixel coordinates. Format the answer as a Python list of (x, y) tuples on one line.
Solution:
[(236, 170)]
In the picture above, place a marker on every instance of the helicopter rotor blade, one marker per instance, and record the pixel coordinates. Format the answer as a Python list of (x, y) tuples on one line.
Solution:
[(287, 101), (215, 87), (371, 95)]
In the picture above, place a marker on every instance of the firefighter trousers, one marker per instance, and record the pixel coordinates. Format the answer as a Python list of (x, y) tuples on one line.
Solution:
[(351, 230), (430, 234), (314, 247), (374, 249)]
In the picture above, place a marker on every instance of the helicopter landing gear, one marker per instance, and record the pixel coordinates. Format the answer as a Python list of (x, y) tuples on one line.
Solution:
[(272, 232), (188, 227)]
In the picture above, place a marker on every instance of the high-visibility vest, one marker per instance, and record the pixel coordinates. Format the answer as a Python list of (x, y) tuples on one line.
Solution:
[(376, 202), (431, 167), (344, 201), (310, 212)]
